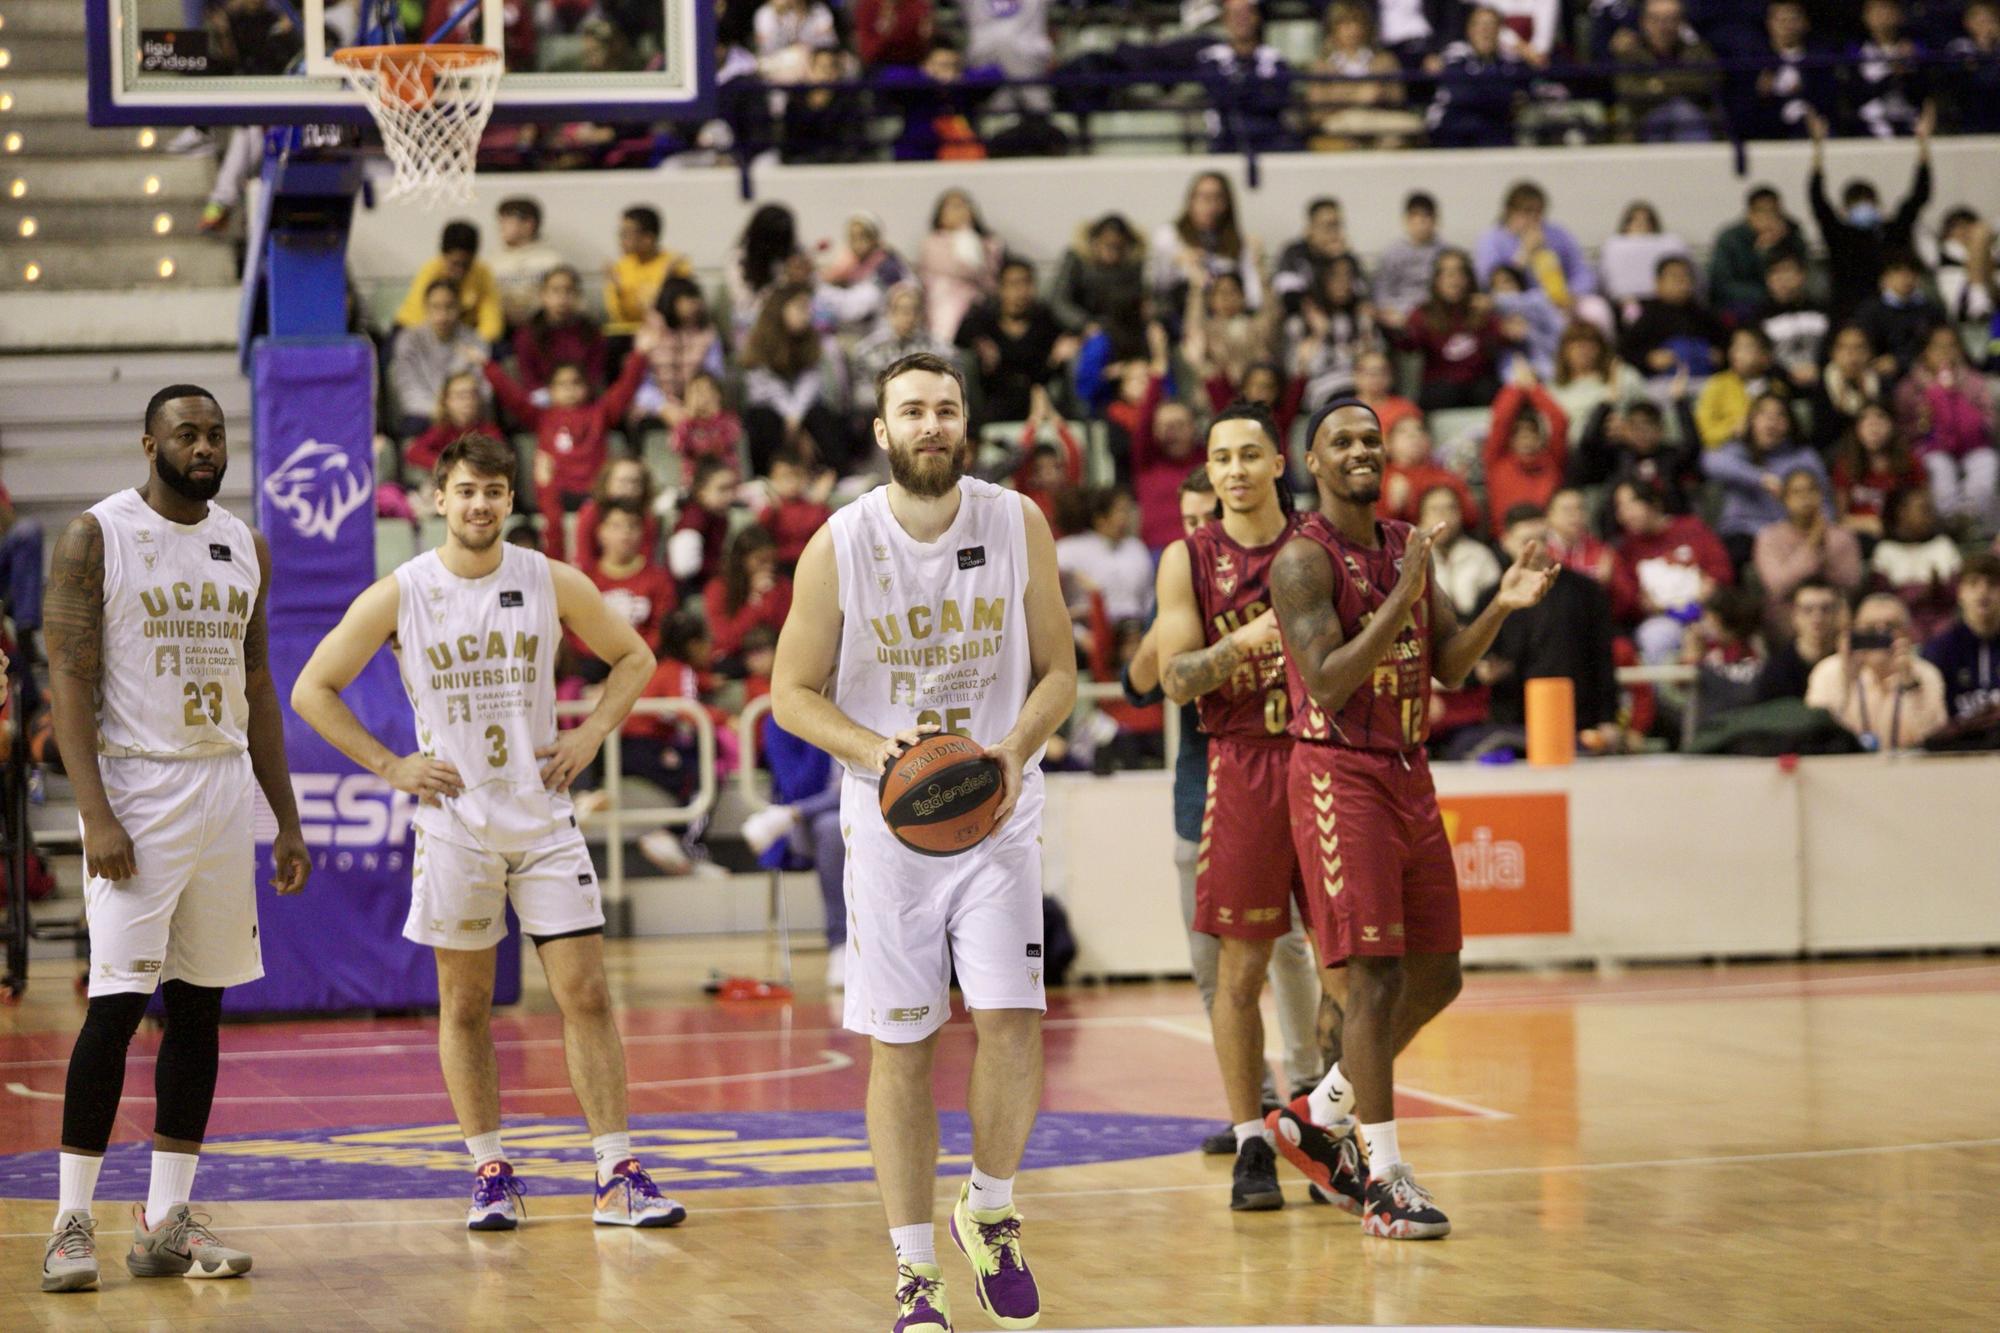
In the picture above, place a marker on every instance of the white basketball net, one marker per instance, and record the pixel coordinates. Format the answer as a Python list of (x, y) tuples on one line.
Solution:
[(431, 104)]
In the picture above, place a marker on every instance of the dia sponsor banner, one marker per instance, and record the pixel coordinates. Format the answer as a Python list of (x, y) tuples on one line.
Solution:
[(1513, 862)]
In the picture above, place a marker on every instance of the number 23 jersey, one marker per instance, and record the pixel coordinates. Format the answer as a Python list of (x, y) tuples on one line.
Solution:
[(478, 660)]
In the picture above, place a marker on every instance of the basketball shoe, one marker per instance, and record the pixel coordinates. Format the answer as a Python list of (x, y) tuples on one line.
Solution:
[(1254, 1185), (69, 1260), (920, 1300), (1401, 1209), (1330, 1160), (496, 1199), (181, 1246), (631, 1199), (991, 1243)]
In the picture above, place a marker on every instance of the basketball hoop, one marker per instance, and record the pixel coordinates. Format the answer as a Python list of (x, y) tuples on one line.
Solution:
[(431, 104)]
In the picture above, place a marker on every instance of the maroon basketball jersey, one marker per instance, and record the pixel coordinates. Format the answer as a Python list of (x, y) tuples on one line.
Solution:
[(1232, 587), (1392, 710)]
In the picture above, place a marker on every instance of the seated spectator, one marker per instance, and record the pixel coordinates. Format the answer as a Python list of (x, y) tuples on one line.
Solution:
[(682, 342), (937, 102), (1632, 444), (1264, 385), (1545, 252), (1334, 327), (524, 260), (634, 587), (1402, 278), (1530, 321), (1876, 685), (1465, 568), (959, 263), (1859, 236), (1526, 447), (662, 749), (767, 254), (1668, 87), (1220, 338), (707, 431), (1101, 271), (1775, 102), (863, 273), (1946, 409), (1412, 473), (1589, 375), (624, 481), (1752, 470), (1302, 260), (559, 333), (572, 433), (1964, 272), (1480, 83), (1724, 403), (1805, 544), (791, 376), (798, 506), (1726, 647), (1674, 330), (1375, 385), (892, 32), (1973, 80), (1847, 384), (902, 331), (471, 282), (1572, 544), (1916, 560), (1666, 567), (1203, 241), (1745, 250), (1112, 360), (426, 356), (1899, 317), (1872, 462), (694, 551), (633, 280), (1164, 448), (1012, 344), (825, 124), (1108, 559), (1816, 618), (1888, 83), (1249, 86), (749, 592), (1459, 337), (462, 409), (1793, 321), (1630, 258), (21, 577), (1967, 651), (1357, 112), (787, 31), (1012, 36)]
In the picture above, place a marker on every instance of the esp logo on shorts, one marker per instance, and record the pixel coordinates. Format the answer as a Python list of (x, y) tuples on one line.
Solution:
[(916, 1015)]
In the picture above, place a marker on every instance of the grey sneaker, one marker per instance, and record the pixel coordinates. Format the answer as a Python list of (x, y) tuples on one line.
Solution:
[(181, 1246), (69, 1260)]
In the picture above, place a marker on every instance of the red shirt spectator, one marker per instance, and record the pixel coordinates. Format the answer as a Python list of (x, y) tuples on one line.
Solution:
[(892, 32), (540, 346), (749, 592), (798, 506), (1655, 546), (571, 432), (1048, 471), (717, 436), (424, 451), (1165, 449), (1524, 456), (633, 586), (694, 552)]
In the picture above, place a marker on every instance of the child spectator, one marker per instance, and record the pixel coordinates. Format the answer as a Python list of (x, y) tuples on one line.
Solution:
[(623, 481), (958, 264), (1795, 324), (429, 354), (1724, 404), (683, 342), (1528, 319), (1413, 472), (1967, 651), (748, 592), (1571, 543), (707, 431), (1847, 384), (1049, 473), (471, 283), (1726, 646), (1402, 279), (1164, 446), (1805, 544), (663, 749), (633, 586), (1266, 386), (790, 369), (461, 410), (1375, 385), (1673, 328), (525, 259), (1220, 338), (1666, 568), (1752, 472), (572, 434), (1916, 561), (1304, 258), (1465, 568), (1871, 462), (1878, 687), (1632, 445), (1527, 446), (1459, 337), (1588, 375), (1947, 409), (694, 551), (1899, 317), (1334, 326), (1108, 559), (559, 333), (634, 279), (798, 506)]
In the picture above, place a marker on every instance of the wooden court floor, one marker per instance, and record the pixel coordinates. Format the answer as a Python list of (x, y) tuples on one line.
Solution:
[(1754, 1147)]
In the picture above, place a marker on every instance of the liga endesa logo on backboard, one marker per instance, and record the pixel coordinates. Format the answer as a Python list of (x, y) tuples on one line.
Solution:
[(1513, 862)]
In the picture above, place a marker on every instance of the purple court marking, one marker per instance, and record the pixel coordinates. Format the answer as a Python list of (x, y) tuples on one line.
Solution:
[(716, 1151)]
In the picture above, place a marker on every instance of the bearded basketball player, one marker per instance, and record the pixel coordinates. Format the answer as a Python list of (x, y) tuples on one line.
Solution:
[(1365, 631), (933, 603)]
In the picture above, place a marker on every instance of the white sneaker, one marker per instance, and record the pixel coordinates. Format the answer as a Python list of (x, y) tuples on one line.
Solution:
[(763, 829), (664, 850), (836, 969)]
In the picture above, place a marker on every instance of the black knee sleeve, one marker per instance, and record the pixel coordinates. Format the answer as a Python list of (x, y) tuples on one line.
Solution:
[(184, 1078), (97, 1069)]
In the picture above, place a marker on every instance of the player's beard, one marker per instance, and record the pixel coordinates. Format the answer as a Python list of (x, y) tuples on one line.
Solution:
[(472, 540), (924, 477), (181, 484), (1346, 487)]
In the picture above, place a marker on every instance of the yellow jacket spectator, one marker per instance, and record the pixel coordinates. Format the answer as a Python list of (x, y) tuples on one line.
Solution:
[(457, 263), (634, 280)]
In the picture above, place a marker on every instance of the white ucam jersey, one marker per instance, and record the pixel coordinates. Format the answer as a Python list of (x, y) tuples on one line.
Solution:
[(177, 602), (934, 632), (478, 659)]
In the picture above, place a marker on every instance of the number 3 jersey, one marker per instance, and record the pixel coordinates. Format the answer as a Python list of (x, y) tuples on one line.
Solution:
[(1392, 709), (934, 632), (177, 604), (478, 661), (1232, 587)]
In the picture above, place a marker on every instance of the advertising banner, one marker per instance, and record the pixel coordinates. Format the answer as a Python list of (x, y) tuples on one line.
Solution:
[(1513, 862)]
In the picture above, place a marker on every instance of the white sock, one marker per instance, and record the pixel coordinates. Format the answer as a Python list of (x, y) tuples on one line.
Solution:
[(916, 1244), (611, 1149), (990, 1193), (76, 1176), (173, 1182), (485, 1148), (1251, 1129), (1383, 1150), (1332, 1099)]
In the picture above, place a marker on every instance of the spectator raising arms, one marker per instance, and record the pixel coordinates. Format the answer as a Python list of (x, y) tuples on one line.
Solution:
[(1459, 337), (559, 333), (1204, 240), (1527, 447), (958, 264), (749, 592), (572, 434), (1858, 236), (791, 373), (457, 265)]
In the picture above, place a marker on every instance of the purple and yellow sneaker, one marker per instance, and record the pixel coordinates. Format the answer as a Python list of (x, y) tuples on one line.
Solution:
[(630, 1199), (991, 1243), (1330, 1159), (920, 1300), (496, 1199)]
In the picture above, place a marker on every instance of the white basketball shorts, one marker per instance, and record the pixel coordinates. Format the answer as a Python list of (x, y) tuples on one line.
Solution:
[(459, 894), (189, 912), (913, 918)]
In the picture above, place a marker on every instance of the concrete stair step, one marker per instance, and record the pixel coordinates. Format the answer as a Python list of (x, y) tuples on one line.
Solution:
[(78, 220), (33, 52), (113, 375), (43, 95), (196, 261), (162, 315), (41, 411), (96, 179)]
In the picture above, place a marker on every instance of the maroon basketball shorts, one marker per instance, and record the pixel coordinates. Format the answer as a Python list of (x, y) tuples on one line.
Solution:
[(1380, 879), (1245, 876)]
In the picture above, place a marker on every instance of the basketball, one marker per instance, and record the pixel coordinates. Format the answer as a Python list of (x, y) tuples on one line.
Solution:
[(939, 796)]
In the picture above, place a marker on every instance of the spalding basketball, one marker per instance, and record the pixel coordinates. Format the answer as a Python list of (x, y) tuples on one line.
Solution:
[(940, 795)]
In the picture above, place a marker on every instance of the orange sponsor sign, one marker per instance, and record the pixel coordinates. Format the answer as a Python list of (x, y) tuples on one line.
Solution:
[(1513, 862)]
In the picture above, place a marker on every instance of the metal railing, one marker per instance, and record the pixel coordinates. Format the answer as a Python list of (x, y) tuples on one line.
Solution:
[(614, 816)]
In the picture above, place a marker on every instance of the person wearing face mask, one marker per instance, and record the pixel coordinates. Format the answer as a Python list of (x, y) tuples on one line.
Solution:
[(1859, 236), (1876, 685)]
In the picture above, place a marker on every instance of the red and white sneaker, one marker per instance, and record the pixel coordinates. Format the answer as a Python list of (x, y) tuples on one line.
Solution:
[(1330, 1159), (1400, 1209)]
